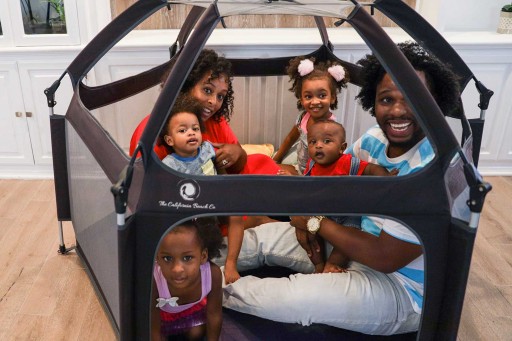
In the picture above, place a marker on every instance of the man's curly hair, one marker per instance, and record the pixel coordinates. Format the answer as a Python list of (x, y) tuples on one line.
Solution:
[(441, 81), (320, 71), (209, 61), (207, 232)]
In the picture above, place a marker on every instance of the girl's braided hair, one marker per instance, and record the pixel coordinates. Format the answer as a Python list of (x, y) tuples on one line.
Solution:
[(320, 71), (207, 232), (441, 80)]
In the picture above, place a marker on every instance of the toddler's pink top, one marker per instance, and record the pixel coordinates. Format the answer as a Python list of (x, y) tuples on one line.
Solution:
[(163, 289)]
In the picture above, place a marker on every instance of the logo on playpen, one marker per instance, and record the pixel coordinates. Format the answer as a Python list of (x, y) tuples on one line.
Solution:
[(189, 189)]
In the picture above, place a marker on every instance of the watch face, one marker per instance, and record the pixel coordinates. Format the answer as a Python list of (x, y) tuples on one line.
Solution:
[(313, 224)]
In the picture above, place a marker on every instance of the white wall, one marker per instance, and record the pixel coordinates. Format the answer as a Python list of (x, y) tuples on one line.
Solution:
[(459, 15)]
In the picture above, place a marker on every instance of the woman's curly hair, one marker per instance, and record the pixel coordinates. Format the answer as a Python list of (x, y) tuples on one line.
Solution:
[(319, 71), (207, 232), (209, 61), (442, 82)]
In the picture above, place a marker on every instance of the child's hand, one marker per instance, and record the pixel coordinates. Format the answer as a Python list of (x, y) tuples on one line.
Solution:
[(394, 172), (330, 267), (231, 275), (287, 170)]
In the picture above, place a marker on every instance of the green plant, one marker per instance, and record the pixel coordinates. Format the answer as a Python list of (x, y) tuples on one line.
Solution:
[(58, 6), (507, 8)]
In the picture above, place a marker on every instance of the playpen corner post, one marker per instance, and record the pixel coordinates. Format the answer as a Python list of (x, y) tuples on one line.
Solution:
[(126, 245), (60, 167), (460, 250), (477, 124)]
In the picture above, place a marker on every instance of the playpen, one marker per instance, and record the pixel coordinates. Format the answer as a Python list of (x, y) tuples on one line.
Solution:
[(117, 235)]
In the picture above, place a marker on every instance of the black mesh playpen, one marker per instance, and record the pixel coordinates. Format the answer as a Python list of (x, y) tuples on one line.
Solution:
[(116, 236)]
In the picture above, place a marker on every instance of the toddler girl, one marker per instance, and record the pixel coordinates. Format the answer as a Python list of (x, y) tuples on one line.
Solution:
[(187, 287), (316, 88)]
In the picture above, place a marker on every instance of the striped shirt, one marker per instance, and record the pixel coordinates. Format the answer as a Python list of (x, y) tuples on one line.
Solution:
[(372, 147)]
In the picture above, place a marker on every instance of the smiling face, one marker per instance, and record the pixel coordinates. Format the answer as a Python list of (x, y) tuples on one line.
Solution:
[(210, 93), (396, 118), (317, 97), (184, 134), (180, 256), (326, 142)]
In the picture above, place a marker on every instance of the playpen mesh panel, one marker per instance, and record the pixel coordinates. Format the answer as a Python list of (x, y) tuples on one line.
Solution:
[(457, 185), (94, 219)]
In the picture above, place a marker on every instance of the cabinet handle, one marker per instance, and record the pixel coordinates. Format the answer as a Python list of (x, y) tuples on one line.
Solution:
[(19, 114), (28, 114)]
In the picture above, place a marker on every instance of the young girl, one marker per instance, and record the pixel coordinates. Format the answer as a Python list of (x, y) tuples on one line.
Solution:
[(187, 287), (316, 88)]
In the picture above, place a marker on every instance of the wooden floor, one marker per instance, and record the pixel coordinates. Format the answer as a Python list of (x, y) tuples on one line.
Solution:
[(46, 296)]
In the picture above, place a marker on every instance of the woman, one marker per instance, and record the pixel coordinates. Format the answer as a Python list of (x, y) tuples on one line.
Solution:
[(210, 82)]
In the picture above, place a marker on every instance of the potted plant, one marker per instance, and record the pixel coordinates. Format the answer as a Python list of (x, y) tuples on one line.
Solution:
[(505, 25), (58, 23)]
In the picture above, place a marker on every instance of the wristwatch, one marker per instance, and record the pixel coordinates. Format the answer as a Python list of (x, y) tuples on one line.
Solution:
[(314, 223)]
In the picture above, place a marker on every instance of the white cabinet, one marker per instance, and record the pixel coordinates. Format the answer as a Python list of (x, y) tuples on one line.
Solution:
[(15, 146), (39, 23), (38, 41), (25, 143)]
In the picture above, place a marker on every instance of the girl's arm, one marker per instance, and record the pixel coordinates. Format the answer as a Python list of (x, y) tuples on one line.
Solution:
[(214, 305), (155, 315), (288, 142), (383, 253), (235, 239)]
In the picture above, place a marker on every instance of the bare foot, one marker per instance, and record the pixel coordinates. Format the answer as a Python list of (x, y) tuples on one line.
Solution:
[(319, 268), (287, 170), (329, 267)]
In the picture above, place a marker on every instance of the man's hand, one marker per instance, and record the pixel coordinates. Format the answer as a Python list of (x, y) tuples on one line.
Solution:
[(308, 241)]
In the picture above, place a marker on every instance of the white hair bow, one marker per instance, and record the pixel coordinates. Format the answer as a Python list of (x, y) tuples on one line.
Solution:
[(172, 301), (337, 72), (305, 67)]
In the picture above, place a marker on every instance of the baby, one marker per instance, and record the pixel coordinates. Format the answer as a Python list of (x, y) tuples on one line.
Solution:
[(326, 144)]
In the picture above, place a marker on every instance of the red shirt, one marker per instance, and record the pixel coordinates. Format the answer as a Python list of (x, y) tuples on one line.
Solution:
[(340, 167), (216, 132)]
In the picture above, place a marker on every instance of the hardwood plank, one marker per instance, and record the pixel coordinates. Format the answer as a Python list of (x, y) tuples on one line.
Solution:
[(48, 287), (97, 326), (69, 314), (28, 327)]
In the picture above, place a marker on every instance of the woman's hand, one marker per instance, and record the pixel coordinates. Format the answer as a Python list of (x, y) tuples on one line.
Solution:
[(230, 157)]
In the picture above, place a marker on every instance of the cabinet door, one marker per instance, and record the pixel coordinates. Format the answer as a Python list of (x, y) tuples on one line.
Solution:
[(44, 22), (5, 27), (35, 78), (15, 147)]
